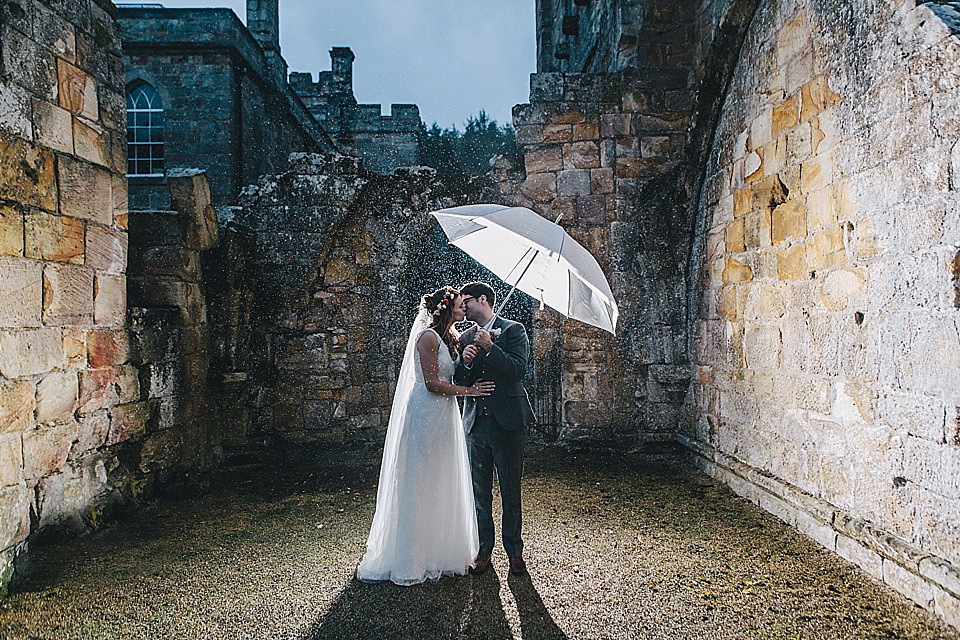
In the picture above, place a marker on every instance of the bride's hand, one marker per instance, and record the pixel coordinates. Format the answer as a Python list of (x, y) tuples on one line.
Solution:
[(481, 388)]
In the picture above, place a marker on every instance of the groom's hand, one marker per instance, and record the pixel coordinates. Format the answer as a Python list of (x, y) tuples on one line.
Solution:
[(469, 353), (483, 339)]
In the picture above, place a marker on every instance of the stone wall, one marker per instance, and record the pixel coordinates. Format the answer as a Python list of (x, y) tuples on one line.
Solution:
[(585, 36), (384, 143), (170, 343), (267, 140), (227, 105), (605, 36), (619, 152), (601, 153), (63, 243), (827, 374), (194, 126), (319, 277), (781, 213), (96, 412)]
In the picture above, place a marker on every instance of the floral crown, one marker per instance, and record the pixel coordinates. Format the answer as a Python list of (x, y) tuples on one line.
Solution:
[(445, 301)]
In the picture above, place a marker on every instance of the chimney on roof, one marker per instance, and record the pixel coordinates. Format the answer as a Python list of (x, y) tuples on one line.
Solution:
[(263, 21), (341, 60)]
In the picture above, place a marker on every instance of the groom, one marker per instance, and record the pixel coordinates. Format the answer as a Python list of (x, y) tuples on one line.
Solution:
[(495, 350)]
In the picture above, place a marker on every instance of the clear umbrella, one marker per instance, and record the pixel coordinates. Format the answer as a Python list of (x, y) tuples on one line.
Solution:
[(535, 256)]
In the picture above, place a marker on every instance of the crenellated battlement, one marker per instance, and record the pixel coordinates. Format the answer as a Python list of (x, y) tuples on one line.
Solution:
[(385, 142)]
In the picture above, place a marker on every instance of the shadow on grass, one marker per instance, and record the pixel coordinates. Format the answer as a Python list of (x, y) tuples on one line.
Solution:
[(463, 607)]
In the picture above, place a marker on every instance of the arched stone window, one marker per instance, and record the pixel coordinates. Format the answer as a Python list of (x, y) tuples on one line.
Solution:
[(144, 132)]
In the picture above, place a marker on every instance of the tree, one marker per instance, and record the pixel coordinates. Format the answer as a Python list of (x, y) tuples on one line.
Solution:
[(452, 151)]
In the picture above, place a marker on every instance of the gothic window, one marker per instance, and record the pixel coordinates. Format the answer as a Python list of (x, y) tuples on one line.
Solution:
[(144, 132)]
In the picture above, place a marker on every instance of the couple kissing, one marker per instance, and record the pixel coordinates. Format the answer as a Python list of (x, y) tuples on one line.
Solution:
[(434, 511)]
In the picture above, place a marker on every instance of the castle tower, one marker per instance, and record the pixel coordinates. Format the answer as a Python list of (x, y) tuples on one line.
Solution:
[(263, 21), (341, 60)]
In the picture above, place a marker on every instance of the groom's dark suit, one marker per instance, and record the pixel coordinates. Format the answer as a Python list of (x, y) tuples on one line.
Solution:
[(496, 428)]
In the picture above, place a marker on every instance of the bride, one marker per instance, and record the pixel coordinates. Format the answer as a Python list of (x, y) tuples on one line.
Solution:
[(425, 525)]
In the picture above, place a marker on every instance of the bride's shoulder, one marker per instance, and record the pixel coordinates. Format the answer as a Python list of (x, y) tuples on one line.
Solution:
[(428, 337)]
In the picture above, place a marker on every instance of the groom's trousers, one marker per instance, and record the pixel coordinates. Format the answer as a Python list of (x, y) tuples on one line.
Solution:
[(492, 447)]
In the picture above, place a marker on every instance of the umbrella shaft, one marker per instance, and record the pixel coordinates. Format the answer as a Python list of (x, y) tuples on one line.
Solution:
[(504, 303), (534, 257)]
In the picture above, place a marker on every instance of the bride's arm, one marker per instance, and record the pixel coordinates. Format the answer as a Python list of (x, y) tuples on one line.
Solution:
[(429, 348)]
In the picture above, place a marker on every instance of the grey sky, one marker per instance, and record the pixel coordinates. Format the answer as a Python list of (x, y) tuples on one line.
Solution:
[(450, 57)]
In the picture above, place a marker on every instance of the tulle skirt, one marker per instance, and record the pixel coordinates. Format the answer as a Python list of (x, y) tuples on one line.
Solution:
[(425, 525)]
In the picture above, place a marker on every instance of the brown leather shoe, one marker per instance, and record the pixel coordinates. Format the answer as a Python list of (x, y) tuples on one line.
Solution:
[(518, 567), (480, 565)]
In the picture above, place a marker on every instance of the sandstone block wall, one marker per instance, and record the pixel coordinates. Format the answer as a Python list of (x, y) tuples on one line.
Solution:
[(585, 160), (601, 153), (170, 343), (827, 377), (63, 244), (816, 147), (96, 411)]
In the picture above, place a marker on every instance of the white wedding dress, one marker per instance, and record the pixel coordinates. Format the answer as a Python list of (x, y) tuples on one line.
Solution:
[(425, 525)]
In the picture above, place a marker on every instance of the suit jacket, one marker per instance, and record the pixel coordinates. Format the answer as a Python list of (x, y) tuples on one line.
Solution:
[(505, 365)]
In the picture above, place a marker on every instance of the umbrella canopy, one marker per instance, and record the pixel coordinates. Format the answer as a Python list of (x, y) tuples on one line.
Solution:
[(536, 256)]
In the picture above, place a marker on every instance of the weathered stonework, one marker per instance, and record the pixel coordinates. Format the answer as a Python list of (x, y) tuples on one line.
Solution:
[(167, 388), (83, 405), (825, 339), (602, 189), (325, 267), (228, 107), (784, 194), (771, 188), (384, 143), (56, 200)]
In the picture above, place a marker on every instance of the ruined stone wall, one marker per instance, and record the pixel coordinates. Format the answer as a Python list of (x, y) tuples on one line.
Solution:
[(170, 343), (592, 144), (98, 408), (826, 347), (709, 15), (604, 150), (63, 243), (606, 36), (618, 149), (321, 271), (585, 36)]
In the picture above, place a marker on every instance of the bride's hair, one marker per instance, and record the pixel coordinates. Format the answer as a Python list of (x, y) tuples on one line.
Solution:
[(439, 305)]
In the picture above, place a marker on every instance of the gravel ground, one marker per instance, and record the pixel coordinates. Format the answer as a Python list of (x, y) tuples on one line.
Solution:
[(618, 547)]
